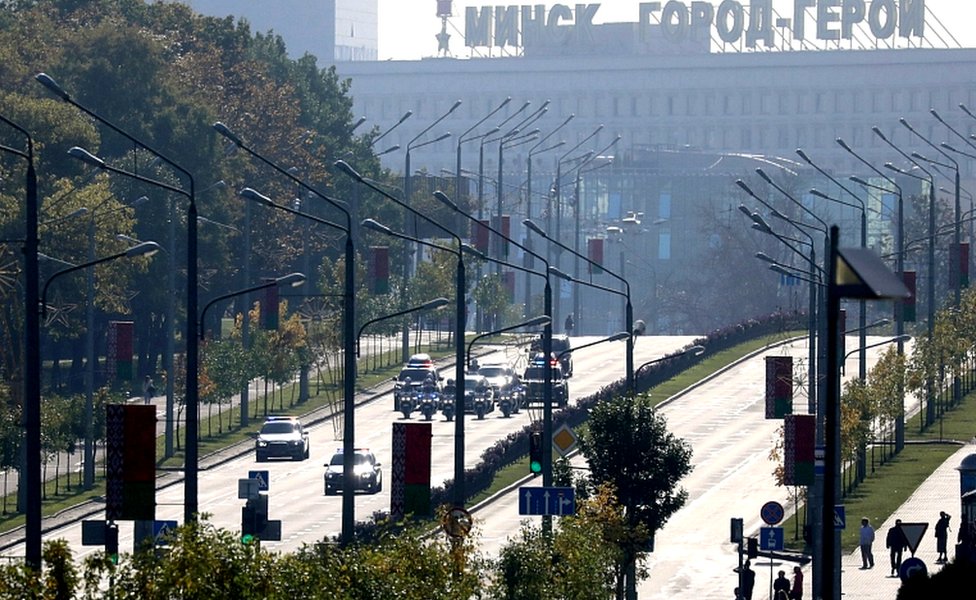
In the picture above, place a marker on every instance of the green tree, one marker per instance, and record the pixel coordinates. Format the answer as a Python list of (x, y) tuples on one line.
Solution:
[(629, 447)]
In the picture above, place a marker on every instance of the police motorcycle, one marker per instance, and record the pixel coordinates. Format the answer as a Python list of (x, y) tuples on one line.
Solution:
[(429, 398), (447, 399), (484, 401), (408, 398)]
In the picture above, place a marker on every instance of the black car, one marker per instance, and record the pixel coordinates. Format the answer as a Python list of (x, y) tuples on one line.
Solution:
[(534, 382), (366, 469), (561, 347), (282, 437)]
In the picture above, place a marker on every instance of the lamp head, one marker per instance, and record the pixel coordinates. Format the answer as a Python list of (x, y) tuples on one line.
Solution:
[(472, 251), (820, 194), (357, 124), (535, 228), (227, 133), (252, 194), (857, 179), (763, 175), (765, 257), (441, 137), (745, 210), (560, 274), (86, 156), (405, 116), (541, 320), (620, 335), (905, 123), (803, 155), (697, 350), (445, 200), (142, 249), (392, 148), (948, 147), (48, 82), (761, 227), (434, 304), (892, 167), (935, 114), (344, 167), (745, 188), (843, 144), (292, 279), (454, 107), (376, 226), (877, 132)]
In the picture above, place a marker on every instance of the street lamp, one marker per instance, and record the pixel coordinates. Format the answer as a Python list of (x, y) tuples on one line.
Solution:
[(460, 290), (543, 320), (429, 305), (900, 339), (462, 139), (292, 280), (538, 148), (31, 480), (620, 335), (546, 332), (695, 350), (629, 308)]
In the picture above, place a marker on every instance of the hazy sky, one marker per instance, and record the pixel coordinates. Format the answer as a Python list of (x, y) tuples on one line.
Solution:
[(407, 27)]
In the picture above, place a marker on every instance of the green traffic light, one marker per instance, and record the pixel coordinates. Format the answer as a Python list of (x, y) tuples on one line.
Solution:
[(535, 466), (247, 539)]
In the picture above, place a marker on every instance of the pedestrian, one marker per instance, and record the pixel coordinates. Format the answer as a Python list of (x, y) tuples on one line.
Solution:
[(941, 535), (748, 580), (866, 539), (896, 543), (738, 595), (781, 587), (796, 590), (148, 390), (570, 324)]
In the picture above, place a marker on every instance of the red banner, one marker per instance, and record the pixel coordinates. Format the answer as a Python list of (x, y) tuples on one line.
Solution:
[(595, 251), (799, 443), (779, 386)]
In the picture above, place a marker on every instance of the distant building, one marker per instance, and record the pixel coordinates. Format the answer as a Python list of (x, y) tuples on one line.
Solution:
[(330, 30)]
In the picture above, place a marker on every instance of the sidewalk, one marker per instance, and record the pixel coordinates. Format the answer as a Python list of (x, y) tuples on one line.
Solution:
[(940, 491)]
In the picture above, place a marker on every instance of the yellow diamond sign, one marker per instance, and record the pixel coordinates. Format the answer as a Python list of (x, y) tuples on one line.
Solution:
[(564, 440)]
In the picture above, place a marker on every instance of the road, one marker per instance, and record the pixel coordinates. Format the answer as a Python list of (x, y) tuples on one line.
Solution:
[(724, 421), (296, 488)]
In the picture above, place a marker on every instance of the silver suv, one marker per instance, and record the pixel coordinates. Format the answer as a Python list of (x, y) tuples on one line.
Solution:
[(282, 436)]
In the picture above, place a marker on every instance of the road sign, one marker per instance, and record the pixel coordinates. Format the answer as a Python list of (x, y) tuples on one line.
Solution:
[(161, 529), (248, 488), (772, 513), (93, 533), (910, 567), (264, 480), (564, 440), (771, 538), (840, 517), (819, 453), (457, 522), (913, 534), (547, 501)]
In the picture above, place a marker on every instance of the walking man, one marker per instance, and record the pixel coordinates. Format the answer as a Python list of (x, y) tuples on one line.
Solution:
[(866, 539), (148, 390), (896, 543), (748, 580), (941, 536)]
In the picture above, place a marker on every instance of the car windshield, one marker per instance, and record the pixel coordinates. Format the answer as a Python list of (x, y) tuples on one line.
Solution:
[(416, 376), (558, 345), (492, 371), (361, 459), (278, 427), (540, 373)]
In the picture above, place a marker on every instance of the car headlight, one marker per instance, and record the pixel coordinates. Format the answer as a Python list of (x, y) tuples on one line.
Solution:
[(262, 443)]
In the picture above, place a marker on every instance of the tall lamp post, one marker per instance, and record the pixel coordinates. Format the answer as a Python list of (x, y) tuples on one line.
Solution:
[(32, 367), (462, 139), (460, 290), (538, 148), (546, 333), (192, 397)]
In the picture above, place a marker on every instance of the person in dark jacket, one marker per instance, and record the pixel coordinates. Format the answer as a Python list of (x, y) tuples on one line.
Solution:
[(781, 587), (896, 543)]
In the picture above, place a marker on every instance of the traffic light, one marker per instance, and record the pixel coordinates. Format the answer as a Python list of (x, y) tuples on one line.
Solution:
[(752, 548), (254, 518), (112, 542), (535, 452)]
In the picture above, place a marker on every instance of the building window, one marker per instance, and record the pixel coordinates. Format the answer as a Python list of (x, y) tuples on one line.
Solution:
[(664, 206), (664, 245)]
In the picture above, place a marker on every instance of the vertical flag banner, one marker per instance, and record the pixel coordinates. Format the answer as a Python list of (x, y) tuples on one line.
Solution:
[(958, 265), (130, 462), (594, 248), (506, 229), (269, 308), (410, 472), (508, 280), (908, 305), (841, 338), (964, 264), (120, 350), (779, 386), (379, 269), (799, 442), (481, 235)]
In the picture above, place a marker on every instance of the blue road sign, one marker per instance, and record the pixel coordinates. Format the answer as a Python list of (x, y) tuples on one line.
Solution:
[(772, 513), (547, 501), (910, 567), (840, 517), (264, 481), (771, 538), (161, 529)]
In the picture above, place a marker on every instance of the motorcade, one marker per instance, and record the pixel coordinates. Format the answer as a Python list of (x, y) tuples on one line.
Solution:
[(408, 383), (366, 470), (281, 436)]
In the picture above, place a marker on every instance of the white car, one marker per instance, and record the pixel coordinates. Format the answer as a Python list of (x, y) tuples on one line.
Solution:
[(366, 469), (282, 437)]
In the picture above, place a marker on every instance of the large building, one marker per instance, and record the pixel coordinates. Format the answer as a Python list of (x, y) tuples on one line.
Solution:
[(695, 109), (329, 30)]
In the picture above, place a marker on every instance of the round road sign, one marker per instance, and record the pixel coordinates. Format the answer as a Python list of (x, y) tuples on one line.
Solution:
[(772, 513), (911, 567), (457, 522)]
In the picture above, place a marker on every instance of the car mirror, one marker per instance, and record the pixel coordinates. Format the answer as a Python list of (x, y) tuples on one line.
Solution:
[(379, 464)]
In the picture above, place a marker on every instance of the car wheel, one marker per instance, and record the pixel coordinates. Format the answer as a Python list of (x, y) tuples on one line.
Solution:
[(261, 457), (307, 451), (379, 488)]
